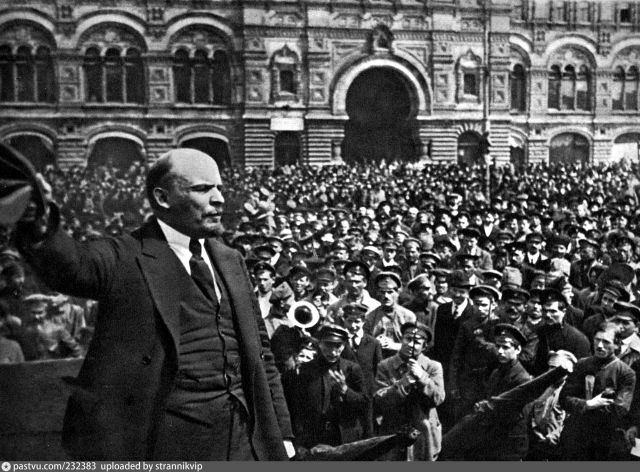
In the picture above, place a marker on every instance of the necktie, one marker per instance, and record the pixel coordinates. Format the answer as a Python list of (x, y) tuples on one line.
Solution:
[(354, 343), (200, 272)]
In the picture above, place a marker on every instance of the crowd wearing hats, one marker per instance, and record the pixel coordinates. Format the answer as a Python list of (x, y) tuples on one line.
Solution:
[(411, 295)]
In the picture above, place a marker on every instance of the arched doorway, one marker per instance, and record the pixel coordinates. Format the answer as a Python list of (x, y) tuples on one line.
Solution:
[(469, 150), (569, 148), (119, 153), (382, 121), (216, 148), (286, 149), (626, 146), (34, 148)]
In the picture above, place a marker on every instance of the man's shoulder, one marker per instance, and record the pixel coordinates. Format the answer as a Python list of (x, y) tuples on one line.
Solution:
[(404, 312)]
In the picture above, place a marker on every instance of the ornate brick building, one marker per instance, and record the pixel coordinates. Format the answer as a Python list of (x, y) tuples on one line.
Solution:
[(320, 81)]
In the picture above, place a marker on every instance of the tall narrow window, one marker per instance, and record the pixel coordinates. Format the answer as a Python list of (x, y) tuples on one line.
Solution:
[(287, 81), (470, 84), (554, 88), (518, 88), (6, 74), (113, 75), (135, 82), (631, 89), (568, 89), (583, 82), (182, 76), (93, 75), (221, 78), (25, 74), (617, 89), (201, 79), (45, 81)]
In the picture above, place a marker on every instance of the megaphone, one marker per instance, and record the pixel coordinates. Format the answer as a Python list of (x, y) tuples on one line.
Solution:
[(303, 315)]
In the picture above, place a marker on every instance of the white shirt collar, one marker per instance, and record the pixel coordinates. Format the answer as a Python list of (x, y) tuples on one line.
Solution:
[(175, 237)]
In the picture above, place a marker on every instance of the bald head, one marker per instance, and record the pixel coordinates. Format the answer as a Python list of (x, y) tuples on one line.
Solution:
[(184, 190)]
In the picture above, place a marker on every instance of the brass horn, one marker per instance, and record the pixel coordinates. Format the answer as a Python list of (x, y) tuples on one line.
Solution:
[(303, 314)]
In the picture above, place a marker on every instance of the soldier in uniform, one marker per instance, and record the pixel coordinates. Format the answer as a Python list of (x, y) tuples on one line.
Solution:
[(410, 387), (507, 439)]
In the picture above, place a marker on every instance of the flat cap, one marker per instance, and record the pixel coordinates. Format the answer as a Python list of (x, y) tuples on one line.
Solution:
[(516, 294), (355, 308), (627, 310), (509, 333), (333, 333), (419, 330), (484, 291)]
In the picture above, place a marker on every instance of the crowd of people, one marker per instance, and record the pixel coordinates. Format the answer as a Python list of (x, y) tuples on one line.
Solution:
[(399, 295)]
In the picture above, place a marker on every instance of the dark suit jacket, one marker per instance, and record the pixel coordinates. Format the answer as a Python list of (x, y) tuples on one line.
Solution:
[(133, 358), (368, 356), (338, 421), (445, 332)]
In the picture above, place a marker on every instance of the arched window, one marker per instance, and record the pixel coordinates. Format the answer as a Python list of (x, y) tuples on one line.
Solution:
[(25, 74), (518, 88), (285, 70), (45, 80), (568, 89), (118, 77), (569, 148), (6, 74), (583, 85), (134, 71), (93, 75), (221, 78), (182, 76), (555, 80), (113, 71), (617, 89), (201, 77), (631, 89)]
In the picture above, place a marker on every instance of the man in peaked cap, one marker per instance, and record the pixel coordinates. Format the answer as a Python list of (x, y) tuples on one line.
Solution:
[(411, 264), (534, 257), (507, 440), (410, 387), (611, 292), (597, 396), (385, 321), (627, 318), (469, 245), (329, 403), (578, 275), (363, 349), (556, 334), (474, 352), (264, 276), (356, 275), (449, 317)]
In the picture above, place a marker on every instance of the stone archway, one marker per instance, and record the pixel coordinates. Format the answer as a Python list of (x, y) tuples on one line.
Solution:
[(382, 123), (626, 146), (469, 150), (37, 150), (216, 148), (115, 152), (569, 148)]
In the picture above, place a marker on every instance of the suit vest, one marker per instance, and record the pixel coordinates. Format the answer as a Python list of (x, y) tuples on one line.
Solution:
[(209, 358)]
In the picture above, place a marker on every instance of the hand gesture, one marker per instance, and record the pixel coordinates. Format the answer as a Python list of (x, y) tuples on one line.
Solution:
[(339, 379), (599, 402), (384, 341), (415, 369)]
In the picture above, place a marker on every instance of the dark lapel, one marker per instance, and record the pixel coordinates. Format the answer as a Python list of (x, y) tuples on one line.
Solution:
[(165, 276), (229, 267)]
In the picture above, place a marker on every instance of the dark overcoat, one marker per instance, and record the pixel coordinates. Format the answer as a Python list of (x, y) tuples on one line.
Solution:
[(133, 357)]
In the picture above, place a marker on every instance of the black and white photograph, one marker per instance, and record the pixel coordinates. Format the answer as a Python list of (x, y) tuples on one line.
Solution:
[(319, 230)]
